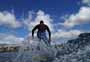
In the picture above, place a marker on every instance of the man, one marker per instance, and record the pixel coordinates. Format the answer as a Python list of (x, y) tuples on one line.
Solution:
[(41, 34)]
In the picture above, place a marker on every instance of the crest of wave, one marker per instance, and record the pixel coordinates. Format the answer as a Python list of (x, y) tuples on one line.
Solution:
[(82, 55)]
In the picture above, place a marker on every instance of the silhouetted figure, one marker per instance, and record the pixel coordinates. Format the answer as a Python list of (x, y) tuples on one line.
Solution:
[(41, 34)]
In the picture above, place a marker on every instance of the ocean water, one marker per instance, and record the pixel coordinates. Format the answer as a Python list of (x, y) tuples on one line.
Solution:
[(7, 56), (45, 55), (41, 53)]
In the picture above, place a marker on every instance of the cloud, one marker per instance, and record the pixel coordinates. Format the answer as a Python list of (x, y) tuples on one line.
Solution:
[(40, 15), (9, 19), (87, 2), (10, 39), (82, 17), (63, 36)]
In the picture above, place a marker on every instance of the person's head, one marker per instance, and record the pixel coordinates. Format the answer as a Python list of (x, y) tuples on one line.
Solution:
[(41, 22)]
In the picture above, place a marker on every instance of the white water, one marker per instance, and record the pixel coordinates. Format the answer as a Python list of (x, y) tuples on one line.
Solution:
[(49, 54), (29, 53)]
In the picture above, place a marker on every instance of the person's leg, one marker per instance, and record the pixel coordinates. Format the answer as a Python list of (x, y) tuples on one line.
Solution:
[(42, 36), (39, 39), (45, 39)]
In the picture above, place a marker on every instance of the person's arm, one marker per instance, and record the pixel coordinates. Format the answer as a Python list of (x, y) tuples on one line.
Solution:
[(49, 33), (34, 30)]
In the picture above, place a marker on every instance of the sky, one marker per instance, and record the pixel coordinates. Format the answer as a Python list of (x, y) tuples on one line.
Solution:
[(65, 18)]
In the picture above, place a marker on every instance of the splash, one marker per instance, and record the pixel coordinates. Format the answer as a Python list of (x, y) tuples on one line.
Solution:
[(35, 52)]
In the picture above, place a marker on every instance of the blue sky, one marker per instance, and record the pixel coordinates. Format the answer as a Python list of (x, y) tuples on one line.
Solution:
[(62, 13), (56, 8)]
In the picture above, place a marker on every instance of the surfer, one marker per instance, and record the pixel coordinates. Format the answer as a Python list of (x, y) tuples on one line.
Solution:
[(41, 33)]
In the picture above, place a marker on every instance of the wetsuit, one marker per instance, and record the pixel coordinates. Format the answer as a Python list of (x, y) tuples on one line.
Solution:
[(41, 34)]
